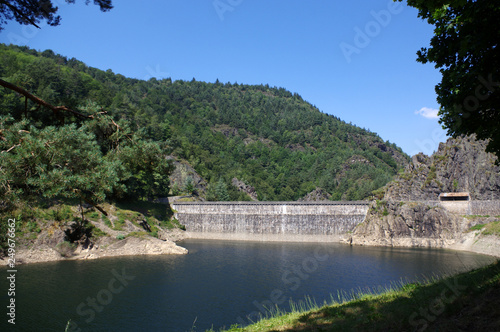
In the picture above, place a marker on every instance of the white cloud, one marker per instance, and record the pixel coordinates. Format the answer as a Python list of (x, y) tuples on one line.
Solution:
[(428, 113)]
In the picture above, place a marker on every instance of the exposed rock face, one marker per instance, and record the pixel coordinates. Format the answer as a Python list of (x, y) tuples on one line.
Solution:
[(181, 175), (54, 243), (132, 246), (459, 165), (107, 247), (410, 215), (241, 186), (317, 194), (409, 224)]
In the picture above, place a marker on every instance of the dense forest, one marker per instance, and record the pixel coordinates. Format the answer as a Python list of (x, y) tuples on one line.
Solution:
[(267, 137)]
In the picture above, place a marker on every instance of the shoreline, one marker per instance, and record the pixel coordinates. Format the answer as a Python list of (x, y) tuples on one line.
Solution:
[(472, 241), (139, 246), (106, 247)]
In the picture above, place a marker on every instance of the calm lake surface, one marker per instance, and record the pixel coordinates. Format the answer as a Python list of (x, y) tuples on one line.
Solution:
[(219, 283)]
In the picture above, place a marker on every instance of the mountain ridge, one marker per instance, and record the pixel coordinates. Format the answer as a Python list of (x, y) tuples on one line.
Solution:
[(269, 138)]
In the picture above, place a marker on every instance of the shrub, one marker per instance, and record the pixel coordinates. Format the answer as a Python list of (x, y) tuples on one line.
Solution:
[(33, 227)]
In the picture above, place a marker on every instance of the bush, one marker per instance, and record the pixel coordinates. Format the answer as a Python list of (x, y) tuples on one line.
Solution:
[(33, 227)]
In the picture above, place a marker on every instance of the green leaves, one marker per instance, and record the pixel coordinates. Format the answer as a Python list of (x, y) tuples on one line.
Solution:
[(465, 50), (68, 161), (53, 162), (143, 169)]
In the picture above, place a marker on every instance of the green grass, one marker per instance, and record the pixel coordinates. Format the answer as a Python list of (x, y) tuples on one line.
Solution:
[(467, 301), (155, 214), (94, 215), (138, 234), (474, 216), (162, 212), (477, 227), (493, 228), (95, 231), (107, 222)]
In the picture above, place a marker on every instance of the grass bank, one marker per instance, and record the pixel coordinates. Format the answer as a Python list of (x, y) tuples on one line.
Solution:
[(468, 301)]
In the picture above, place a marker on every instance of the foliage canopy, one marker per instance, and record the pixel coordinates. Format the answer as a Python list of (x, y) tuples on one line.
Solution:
[(465, 49), (32, 12)]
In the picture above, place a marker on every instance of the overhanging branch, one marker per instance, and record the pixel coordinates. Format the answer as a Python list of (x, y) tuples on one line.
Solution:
[(42, 102)]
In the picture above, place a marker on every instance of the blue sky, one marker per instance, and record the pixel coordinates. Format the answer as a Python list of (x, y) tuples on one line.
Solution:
[(355, 59)]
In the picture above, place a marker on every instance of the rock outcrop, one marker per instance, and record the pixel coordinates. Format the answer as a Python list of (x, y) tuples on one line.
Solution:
[(459, 165), (185, 173), (100, 236), (409, 224), (317, 194), (243, 187), (106, 247), (410, 213)]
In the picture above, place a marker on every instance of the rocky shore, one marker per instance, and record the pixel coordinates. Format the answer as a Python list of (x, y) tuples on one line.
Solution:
[(408, 212), (422, 224), (129, 246), (51, 244), (105, 248)]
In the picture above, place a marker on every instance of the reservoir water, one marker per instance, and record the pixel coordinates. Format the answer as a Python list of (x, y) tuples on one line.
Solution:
[(219, 283)]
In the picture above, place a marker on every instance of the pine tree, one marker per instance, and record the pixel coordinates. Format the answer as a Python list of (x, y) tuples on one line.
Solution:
[(221, 190)]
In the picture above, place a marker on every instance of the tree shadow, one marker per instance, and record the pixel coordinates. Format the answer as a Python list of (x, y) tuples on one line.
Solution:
[(452, 304), (80, 233)]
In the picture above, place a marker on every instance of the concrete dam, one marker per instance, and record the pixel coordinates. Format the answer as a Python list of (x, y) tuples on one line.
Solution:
[(324, 221)]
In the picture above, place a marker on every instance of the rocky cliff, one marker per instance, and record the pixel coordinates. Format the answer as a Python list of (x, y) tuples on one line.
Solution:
[(459, 165), (409, 224), (243, 187), (409, 213), (185, 175)]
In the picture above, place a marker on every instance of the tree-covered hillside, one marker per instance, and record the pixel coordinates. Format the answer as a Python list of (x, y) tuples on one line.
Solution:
[(266, 137)]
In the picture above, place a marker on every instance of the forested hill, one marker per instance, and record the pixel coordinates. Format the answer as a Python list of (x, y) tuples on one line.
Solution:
[(269, 138)]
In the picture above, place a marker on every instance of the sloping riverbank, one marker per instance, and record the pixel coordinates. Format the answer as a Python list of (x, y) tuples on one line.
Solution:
[(56, 233), (105, 248)]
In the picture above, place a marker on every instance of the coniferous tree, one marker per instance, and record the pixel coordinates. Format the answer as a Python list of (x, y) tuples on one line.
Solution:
[(221, 190)]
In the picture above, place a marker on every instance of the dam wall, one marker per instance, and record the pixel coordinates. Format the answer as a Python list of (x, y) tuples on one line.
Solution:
[(270, 221)]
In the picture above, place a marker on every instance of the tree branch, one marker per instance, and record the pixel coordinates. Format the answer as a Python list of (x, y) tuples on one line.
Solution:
[(88, 201), (42, 102), (10, 149), (20, 14)]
